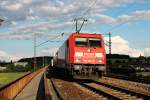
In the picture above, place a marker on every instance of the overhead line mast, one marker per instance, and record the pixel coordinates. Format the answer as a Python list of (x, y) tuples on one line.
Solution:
[(34, 59), (109, 42)]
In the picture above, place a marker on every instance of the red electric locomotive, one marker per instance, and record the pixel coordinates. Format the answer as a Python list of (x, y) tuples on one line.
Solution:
[(82, 54)]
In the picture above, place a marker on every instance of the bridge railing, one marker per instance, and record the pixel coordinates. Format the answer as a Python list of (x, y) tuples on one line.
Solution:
[(10, 91)]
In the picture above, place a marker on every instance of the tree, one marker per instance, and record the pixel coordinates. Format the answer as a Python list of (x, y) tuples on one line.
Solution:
[(10, 67), (28, 67)]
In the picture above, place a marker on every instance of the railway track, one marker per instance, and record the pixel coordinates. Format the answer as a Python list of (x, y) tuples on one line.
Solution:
[(58, 87), (92, 90), (57, 92), (144, 80), (103, 89), (110, 93), (135, 88), (65, 90)]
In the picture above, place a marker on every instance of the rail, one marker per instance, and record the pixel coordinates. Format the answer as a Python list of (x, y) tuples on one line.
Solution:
[(139, 79), (51, 92), (109, 92), (142, 90), (10, 91), (47, 90)]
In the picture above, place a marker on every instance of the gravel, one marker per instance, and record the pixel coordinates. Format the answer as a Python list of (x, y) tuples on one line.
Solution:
[(72, 91)]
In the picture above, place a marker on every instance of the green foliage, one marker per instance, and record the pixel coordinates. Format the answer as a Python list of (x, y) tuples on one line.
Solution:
[(18, 68), (28, 67), (10, 68), (118, 56), (145, 74)]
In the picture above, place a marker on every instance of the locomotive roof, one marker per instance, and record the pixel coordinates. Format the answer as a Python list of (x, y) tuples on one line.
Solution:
[(86, 35)]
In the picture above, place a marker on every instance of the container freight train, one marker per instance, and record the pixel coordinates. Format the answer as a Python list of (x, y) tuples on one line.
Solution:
[(82, 55)]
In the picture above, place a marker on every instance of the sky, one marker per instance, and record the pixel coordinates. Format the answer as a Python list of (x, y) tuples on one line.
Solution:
[(127, 20)]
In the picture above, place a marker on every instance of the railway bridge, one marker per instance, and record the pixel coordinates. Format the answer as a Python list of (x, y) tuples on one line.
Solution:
[(46, 84)]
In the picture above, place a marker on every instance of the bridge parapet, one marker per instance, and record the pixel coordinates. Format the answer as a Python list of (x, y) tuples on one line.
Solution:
[(10, 91)]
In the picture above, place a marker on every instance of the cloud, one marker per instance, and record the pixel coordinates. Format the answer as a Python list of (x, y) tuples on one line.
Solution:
[(30, 17), (4, 56), (110, 3), (138, 15), (104, 19), (15, 36), (13, 23), (101, 19), (135, 16), (54, 9), (13, 7), (27, 1), (147, 51), (48, 52), (23, 36), (32, 28), (26, 15), (122, 46)]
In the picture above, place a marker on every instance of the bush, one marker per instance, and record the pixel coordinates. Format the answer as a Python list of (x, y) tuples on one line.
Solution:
[(10, 68), (28, 68), (19, 68)]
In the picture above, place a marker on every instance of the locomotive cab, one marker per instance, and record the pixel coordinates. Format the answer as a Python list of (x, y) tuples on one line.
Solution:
[(89, 55)]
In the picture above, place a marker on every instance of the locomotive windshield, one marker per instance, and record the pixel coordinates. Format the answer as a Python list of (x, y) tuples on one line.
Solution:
[(81, 41), (92, 42)]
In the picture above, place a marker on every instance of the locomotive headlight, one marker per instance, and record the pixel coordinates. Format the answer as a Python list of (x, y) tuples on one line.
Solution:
[(98, 54), (100, 61), (77, 60), (78, 54)]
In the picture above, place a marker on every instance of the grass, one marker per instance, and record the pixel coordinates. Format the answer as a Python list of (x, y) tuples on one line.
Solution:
[(144, 73), (6, 78)]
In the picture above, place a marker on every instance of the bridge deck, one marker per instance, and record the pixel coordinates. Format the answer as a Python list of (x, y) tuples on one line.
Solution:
[(31, 89)]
